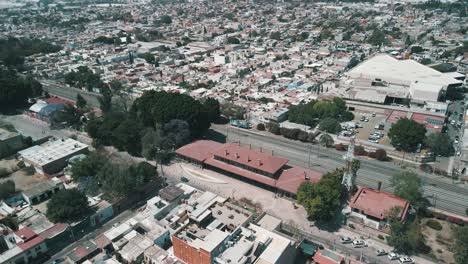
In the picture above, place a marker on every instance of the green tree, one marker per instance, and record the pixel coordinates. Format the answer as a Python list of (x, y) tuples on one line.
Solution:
[(460, 247), (105, 100), (274, 128), (233, 40), (16, 90), (88, 167), (127, 136), (11, 222), (326, 140), (322, 199), (212, 108), (261, 126), (80, 101), (7, 189), (440, 144), (233, 111), (330, 125), (67, 205), (406, 134), (69, 115), (165, 19), (408, 185)]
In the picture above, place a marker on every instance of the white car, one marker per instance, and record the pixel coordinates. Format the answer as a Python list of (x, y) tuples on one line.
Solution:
[(393, 256), (381, 252), (359, 243), (405, 260)]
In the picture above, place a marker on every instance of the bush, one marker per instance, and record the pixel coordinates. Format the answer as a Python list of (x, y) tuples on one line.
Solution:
[(426, 168), (290, 133), (360, 151), (4, 172), (20, 164), (261, 127), (30, 170), (381, 237), (352, 226), (341, 147), (381, 154), (371, 155), (274, 128), (302, 136), (434, 224)]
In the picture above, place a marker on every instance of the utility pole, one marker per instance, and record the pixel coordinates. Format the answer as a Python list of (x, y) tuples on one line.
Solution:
[(349, 177)]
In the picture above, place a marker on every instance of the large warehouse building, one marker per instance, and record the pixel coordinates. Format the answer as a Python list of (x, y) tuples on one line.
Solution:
[(383, 79), (256, 167)]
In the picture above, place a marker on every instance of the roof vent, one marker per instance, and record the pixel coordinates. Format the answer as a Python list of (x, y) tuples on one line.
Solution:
[(226, 152), (259, 162), (248, 159), (237, 155)]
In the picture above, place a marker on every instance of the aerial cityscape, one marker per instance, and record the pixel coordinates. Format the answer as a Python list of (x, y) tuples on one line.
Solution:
[(233, 131)]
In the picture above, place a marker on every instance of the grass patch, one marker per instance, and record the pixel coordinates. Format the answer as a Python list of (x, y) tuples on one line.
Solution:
[(434, 224)]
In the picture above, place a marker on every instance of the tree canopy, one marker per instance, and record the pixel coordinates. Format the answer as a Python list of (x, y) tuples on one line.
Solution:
[(406, 134), (67, 205), (212, 108), (440, 144), (408, 185), (13, 50), (406, 237), (154, 108), (15, 90), (309, 114), (83, 77), (330, 125), (322, 199)]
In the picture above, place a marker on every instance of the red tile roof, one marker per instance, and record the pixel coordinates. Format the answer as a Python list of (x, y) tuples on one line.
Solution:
[(25, 233), (31, 243), (251, 158), (429, 121), (321, 257), (241, 172), (199, 150), (54, 230), (377, 203), (291, 178)]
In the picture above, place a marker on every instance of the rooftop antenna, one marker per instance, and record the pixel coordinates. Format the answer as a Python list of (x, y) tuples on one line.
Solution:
[(349, 177)]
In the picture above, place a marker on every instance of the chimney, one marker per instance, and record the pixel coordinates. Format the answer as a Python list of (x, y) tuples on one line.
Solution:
[(226, 152), (379, 185), (248, 158), (259, 162), (237, 155)]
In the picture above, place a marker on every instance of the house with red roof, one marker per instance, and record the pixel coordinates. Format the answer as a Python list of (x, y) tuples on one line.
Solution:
[(372, 207), (252, 166), (325, 256), (22, 246)]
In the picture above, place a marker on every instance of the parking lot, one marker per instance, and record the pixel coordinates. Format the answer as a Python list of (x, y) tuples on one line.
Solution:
[(368, 125)]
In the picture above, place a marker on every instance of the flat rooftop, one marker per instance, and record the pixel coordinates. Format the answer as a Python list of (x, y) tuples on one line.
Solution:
[(52, 151)]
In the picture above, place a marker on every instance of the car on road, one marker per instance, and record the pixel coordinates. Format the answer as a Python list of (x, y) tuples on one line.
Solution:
[(405, 260), (346, 240), (183, 179), (359, 243), (452, 122), (381, 252), (393, 256)]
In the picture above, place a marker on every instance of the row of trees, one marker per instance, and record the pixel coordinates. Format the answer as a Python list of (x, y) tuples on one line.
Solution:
[(309, 114), (408, 135), (83, 77), (155, 124)]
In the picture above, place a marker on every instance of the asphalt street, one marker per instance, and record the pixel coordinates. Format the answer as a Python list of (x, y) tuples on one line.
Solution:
[(70, 93), (441, 192)]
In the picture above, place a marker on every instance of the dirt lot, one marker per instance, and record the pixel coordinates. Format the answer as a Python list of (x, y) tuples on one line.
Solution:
[(440, 241), (21, 179)]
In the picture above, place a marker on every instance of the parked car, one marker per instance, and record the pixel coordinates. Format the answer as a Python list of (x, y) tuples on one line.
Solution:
[(405, 260), (346, 240), (359, 243), (183, 179), (393, 256), (381, 252), (373, 114), (362, 118)]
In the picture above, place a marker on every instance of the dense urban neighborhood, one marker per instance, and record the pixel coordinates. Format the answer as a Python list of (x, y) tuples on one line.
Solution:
[(233, 131)]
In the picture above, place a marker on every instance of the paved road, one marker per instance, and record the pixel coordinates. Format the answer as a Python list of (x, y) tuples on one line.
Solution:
[(61, 90), (440, 191)]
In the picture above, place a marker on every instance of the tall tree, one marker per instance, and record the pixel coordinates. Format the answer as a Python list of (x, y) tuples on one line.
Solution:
[(80, 101), (212, 108), (408, 185), (70, 115), (67, 205), (440, 144), (105, 100), (406, 134), (7, 189), (460, 247)]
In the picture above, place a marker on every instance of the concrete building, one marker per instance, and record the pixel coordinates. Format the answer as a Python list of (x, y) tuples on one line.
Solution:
[(372, 207), (10, 142), (383, 79), (42, 191), (52, 156)]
